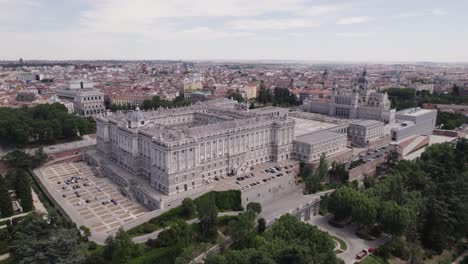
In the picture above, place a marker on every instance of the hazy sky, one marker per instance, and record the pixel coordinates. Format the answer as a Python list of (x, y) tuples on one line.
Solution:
[(348, 30)]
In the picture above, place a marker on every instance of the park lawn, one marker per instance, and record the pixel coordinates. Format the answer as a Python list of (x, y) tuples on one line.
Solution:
[(168, 255), (371, 259), (225, 201), (343, 245)]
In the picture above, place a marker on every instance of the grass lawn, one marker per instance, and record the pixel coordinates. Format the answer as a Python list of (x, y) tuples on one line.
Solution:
[(225, 201), (371, 259), (343, 245)]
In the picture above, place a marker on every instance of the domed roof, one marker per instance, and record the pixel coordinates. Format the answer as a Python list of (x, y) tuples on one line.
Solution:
[(136, 116)]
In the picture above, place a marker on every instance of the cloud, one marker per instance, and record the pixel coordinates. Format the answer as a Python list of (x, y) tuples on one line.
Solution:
[(320, 10), (427, 12), (296, 35), (270, 24), (438, 12), (354, 20), (352, 34)]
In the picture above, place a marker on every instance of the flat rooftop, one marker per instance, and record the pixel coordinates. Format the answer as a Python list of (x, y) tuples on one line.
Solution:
[(415, 111), (319, 136), (305, 126), (367, 123)]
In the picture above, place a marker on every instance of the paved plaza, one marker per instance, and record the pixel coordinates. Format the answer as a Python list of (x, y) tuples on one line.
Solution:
[(305, 126), (97, 203)]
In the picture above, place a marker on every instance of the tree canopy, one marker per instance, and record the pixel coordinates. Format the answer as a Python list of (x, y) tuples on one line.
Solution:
[(45, 123), (426, 200), (36, 241), (287, 241)]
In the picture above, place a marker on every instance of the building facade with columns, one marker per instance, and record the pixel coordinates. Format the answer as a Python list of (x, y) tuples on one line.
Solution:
[(172, 151)]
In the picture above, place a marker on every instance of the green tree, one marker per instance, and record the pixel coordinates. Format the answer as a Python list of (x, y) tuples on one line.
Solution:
[(364, 210), (322, 170), (207, 214), (33, 240), (188, 208), (293, 254), (216, 259), (392, 159), (338, 173), (242, 227), (341, 202), (18, 159), (254, 207), (6, 208), (85, 232), (313, 184), (119, 249), (395, 219), (264, 95), (23, 190), (236, 96), (261, 225)]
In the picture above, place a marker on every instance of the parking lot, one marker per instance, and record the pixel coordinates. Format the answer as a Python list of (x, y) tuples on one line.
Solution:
[(370, 155), (256, 176), (95, 201)]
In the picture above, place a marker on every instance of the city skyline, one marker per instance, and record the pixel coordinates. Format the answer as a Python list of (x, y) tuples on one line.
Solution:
[(298, 30)]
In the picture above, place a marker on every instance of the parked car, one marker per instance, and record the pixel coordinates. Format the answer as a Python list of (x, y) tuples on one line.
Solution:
[(361, 254)]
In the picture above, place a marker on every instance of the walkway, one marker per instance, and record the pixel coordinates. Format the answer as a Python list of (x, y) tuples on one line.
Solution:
[(4, 256), (461, 257)]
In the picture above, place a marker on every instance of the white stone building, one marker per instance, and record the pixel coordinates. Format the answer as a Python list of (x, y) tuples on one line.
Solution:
[(175, 150), (360, 102), (365, 131), (310, 147), (413, 121), (87, 101)]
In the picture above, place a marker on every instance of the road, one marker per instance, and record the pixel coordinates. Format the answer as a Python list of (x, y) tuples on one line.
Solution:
[(353, 242)]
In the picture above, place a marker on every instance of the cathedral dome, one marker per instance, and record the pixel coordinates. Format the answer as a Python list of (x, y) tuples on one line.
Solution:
[(136, 116)]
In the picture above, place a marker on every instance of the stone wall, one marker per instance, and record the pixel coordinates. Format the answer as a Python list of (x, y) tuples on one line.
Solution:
[(340, 157), (381, 142), (365, 169), (447, 133)]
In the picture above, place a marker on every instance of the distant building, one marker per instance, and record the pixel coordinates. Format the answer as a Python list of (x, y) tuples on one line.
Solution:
[(87, 101), (27, 77), (25, 96), (359, 103), (198, 96), (249, 91), (128, 99)]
